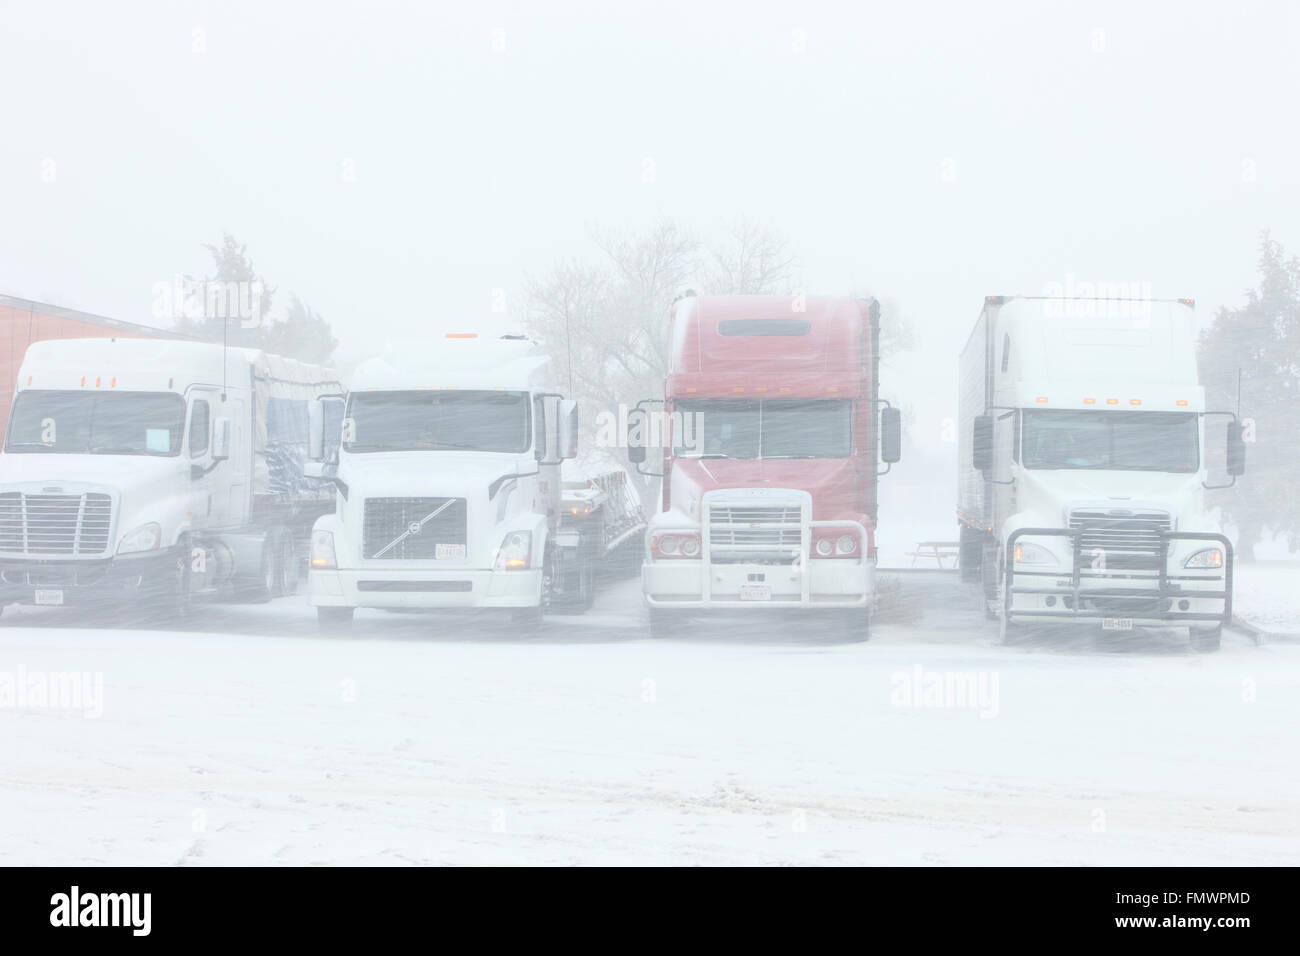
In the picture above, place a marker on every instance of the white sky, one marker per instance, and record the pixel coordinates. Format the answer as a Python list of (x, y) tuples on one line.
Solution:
[(1154, 151)]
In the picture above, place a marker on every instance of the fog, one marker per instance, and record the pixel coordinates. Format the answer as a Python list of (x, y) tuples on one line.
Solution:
[(409, 170)]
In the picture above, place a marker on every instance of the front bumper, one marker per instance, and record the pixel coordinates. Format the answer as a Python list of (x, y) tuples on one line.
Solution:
[(1158, 596), (118, 581), (699, 584), (442, 588)]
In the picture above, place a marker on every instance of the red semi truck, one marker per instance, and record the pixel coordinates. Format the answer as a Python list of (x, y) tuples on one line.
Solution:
[(773, 433)]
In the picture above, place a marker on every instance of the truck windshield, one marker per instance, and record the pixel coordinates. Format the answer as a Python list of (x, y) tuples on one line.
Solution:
[(1123, 441), (96, 423), (437, 421), (777, 428)]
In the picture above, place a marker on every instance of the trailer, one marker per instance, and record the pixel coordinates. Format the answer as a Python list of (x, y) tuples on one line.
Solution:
[(450, 488), (143, 473), (1083, 463)]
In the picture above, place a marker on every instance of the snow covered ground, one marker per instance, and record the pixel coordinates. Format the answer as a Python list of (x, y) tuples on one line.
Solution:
[(1267, 595), (441, 740)]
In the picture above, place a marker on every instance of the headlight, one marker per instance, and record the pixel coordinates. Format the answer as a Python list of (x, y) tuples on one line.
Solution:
[(1209, 558), (515, 553), (322, 550), (1027, 553), (675, 544), (824, 547), (846, 544), (147, 537)]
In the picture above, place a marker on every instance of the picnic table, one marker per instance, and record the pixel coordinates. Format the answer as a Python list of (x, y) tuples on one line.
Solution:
[(939, 551)]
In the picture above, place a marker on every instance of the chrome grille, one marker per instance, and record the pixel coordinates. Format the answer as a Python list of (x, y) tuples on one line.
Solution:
[(388, 531), (1124, 541), (754, 527), (55, 524)]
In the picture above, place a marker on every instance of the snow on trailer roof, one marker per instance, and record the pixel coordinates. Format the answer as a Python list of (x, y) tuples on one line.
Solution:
[(159, 365), (457, 361)]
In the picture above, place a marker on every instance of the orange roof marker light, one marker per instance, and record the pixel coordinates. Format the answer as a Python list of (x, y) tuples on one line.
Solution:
[(1090, 401), (1182, 402), (462, 335), (832, 388), (1112, 401), (1041, 400), (1135, 401)]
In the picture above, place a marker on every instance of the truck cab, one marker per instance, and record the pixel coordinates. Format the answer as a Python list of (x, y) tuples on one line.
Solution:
[(1085, 455), (772, 436), (448, 483)]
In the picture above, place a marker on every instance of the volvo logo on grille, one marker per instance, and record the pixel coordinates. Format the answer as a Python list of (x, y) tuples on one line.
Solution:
[(414, 527)]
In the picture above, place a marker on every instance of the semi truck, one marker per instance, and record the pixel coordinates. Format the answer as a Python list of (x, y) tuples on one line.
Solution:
[(773, 434), (140, 473), (450, 492), (1084, 456)]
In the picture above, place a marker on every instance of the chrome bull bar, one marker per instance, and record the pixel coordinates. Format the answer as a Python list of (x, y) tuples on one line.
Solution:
[(1166, 586)]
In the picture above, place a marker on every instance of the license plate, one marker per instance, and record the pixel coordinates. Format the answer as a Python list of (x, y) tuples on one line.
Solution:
[(1117, 623), (449, 552), (756, 592), (49, 596)]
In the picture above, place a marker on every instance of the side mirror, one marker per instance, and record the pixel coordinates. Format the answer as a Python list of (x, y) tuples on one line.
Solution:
[(316, 431), (982, 445), (1236, 450), (221, 439), (636, 421), (566, 437), (891, 435), (318, 469)]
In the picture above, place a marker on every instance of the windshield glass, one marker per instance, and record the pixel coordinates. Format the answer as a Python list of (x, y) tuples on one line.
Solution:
[(437, 421), (779, 428), (96, 423), (1125, 441)]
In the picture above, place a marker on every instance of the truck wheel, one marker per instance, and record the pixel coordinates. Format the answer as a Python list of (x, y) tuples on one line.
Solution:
[(289, 580), (991, 575), (970, 555), (335, 621), (1206, 640)]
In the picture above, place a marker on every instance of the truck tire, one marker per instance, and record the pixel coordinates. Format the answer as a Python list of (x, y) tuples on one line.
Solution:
[(276, 568), (1206, 640), (290, 579), (335, 621), (991, 576), (970, 557)]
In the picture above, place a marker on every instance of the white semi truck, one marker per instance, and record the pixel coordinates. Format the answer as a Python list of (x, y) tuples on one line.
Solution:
[(1083, 466), (138, 473), (450, 493)]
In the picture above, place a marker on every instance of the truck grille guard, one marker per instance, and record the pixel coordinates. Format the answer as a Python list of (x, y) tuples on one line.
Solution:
[(1165, 584), (800, 562)]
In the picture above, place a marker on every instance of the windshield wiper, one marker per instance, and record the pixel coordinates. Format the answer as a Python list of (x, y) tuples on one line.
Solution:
[(15, 445)]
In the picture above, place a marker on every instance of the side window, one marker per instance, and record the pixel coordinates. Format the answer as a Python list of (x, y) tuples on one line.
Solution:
[(199, 428), (1006, 351)]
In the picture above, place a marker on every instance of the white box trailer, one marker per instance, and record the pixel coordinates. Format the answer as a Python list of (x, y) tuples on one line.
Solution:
[(141, 471), (1083, 458), (450, 492)]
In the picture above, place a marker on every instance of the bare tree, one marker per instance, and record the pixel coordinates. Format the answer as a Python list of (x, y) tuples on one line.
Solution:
[(606, 323)]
